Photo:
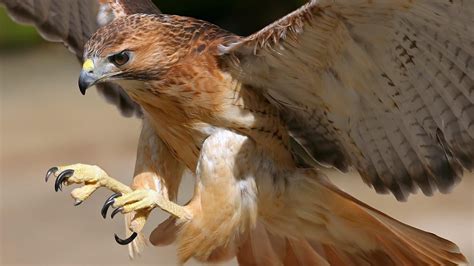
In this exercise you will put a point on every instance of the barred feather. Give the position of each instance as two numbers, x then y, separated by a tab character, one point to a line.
386	86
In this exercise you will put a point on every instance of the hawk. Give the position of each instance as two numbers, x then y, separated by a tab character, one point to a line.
385	87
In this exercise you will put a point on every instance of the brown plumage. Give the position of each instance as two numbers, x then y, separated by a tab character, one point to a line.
382	86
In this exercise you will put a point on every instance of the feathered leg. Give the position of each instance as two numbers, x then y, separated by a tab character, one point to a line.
223	207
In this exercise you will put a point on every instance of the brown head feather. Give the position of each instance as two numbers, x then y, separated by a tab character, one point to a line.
157	40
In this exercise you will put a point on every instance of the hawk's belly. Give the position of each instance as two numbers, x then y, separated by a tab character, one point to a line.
182	134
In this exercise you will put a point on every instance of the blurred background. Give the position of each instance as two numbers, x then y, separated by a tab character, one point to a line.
46	122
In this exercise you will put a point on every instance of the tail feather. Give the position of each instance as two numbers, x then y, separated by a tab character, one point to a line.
264	248
431	248
409	240
341	230
277	250
305	254
259	249
263	251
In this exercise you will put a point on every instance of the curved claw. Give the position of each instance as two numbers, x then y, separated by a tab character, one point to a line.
127	240
51	171
119	209
63	176
109	201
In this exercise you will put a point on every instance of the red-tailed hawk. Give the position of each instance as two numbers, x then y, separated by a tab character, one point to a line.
383	86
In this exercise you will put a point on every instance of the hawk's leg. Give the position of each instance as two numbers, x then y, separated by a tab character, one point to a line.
224	205
155	184
157	178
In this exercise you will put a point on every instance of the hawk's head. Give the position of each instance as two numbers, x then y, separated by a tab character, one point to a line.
138	47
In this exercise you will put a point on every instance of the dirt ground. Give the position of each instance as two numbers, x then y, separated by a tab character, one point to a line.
45	122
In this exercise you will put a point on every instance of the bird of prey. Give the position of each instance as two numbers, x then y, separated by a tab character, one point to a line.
385	87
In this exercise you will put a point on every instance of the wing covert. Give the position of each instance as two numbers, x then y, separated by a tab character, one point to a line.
384	86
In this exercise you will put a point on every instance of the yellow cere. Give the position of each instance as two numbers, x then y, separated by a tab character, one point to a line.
88	65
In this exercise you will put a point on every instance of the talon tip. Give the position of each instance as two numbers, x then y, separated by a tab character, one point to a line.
108	202
78	202
104	210
120	209
127	240
63	176
51	171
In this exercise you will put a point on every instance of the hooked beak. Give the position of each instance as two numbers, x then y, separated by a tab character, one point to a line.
87	77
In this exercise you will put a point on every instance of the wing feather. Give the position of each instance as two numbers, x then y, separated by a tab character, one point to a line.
72	22
386	86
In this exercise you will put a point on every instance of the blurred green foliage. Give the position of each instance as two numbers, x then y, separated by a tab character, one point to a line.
242	17
13	35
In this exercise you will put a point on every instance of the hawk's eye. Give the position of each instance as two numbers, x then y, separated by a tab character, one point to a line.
120	59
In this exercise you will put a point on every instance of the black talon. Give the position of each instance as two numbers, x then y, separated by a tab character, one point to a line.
119	209
108	202
125	241
63	176
51	171
78	202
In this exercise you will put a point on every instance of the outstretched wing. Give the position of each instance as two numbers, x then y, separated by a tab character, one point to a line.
386	86
72	22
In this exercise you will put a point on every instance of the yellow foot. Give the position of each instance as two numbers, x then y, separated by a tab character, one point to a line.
146	200
93	177
141	202
125	200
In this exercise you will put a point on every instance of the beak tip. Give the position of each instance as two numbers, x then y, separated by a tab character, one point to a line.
86	80
82	90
